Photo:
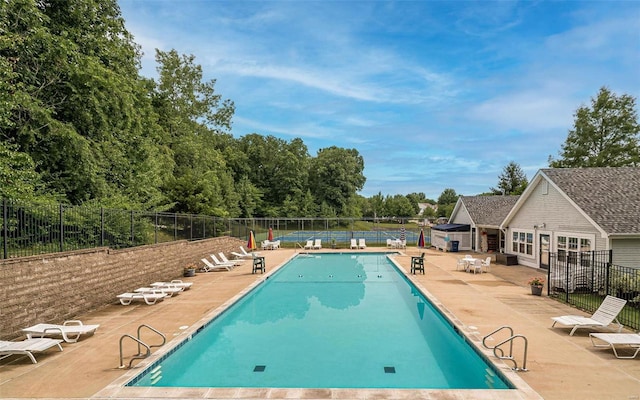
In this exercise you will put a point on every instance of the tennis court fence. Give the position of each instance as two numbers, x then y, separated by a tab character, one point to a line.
28	229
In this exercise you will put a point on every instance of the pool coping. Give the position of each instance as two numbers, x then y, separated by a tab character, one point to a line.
118	389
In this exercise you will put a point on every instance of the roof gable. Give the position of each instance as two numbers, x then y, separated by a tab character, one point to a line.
610	196
488	210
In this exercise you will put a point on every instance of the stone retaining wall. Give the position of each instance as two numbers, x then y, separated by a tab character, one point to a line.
52	288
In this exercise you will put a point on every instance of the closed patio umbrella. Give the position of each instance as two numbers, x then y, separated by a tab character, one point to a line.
403	233
270	237
251	244
421	239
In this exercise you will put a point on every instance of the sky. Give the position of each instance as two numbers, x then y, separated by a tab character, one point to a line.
433	95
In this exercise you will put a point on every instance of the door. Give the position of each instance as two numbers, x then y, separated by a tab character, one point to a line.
545	247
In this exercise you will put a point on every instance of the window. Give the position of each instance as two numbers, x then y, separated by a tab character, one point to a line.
570	246
522	242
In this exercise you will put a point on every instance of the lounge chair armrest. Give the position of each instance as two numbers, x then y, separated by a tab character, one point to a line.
72	322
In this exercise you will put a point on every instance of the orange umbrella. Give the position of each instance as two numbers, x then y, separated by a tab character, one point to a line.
270	238
251	244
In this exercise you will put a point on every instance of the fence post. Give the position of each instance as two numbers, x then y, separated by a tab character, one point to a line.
132	233
61	227
101	226
175	226
155	229
5	232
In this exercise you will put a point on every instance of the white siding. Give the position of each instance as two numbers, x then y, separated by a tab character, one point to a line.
626	252
557	214
462	216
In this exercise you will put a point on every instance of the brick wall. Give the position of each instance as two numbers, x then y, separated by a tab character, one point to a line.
56	287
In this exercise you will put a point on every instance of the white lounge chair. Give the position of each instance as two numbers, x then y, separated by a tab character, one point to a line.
274	245
354	244
628	340
243	254
174	283
604	316
220	263
149	298
208	266
169	291
362	244
69	330
27	347
225	260
317	244
390	243
309	245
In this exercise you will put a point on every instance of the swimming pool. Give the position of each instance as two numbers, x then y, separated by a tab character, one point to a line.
328	321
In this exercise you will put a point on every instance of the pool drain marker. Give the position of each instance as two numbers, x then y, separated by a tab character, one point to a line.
259	368
389	370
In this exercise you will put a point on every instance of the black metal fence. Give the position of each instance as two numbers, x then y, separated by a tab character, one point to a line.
31	229
583	279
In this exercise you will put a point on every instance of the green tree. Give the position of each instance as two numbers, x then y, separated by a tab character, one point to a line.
400	206
336	177
446	202
279	169
512	181
607	134
448	196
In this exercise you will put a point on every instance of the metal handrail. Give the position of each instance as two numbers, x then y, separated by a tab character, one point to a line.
137	356
140	343
510	356
509	340
164	338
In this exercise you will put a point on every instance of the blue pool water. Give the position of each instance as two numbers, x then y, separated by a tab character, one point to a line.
328	321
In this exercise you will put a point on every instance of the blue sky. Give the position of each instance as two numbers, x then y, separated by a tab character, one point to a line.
432	94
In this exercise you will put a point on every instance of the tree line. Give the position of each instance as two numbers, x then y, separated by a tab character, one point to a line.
80	125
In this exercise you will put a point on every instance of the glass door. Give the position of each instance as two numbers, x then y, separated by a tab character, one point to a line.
545	247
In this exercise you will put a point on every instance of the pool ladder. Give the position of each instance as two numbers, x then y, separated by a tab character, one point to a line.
499	353
141	344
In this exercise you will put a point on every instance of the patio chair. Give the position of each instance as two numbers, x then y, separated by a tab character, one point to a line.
362	244
27	347
218	262
486	264
169	291
417	264
174	283
149	298
604	316
390	243
476	266
309	245
70	331
317	244
243	254
628	340
208	266
225	260
461	264
354	244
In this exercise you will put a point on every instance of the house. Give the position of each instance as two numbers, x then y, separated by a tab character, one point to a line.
570	210
483	216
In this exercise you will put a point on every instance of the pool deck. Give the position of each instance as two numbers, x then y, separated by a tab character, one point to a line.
559	366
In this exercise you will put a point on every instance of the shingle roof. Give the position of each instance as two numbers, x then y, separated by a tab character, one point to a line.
489	210
610	196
